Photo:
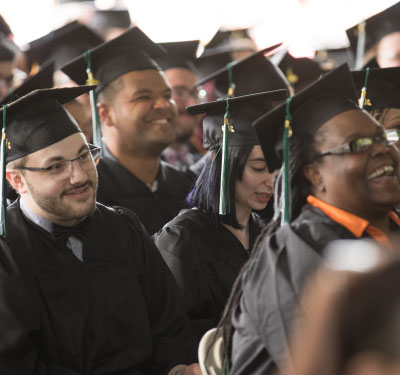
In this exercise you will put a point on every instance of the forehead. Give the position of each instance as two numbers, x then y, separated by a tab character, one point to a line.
66	148
180	77
350	122
149	79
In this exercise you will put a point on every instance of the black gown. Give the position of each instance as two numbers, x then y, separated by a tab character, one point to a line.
205	259
119	187
117	312
271	290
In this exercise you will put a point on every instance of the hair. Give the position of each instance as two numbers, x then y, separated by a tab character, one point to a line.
205	194
18	163
109	92
303	151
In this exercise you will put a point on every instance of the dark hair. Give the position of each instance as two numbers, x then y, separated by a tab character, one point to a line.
303	151
205	194
110	91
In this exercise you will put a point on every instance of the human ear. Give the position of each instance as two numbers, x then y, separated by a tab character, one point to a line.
16	180
313	174
106	114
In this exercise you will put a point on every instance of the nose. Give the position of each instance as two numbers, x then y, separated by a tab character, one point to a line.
269	180
78	175
162	103
380	148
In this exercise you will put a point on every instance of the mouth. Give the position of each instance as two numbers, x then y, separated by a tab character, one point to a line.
160	121
385	171
79	192
263	197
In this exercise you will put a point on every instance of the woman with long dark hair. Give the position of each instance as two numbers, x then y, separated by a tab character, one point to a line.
204	248
345	181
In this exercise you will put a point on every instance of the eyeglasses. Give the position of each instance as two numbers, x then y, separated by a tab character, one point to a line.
363	144
184	93
63	169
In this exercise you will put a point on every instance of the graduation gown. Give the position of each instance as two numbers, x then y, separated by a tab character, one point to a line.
117	312
205	259
118	186
271	290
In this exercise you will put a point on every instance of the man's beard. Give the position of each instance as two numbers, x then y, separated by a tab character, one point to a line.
55	206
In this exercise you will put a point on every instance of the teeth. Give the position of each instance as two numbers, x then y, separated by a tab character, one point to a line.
387	170
161	121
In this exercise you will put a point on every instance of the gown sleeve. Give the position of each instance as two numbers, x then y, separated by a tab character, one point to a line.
181	251
172	338
19	321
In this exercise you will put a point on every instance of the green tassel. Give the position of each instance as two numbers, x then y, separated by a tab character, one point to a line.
287	133
363	99
224	201
93	104
3	229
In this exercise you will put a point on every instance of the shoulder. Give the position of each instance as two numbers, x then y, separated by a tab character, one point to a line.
170	171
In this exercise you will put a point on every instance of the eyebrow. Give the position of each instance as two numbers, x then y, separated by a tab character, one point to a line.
147	92
60	158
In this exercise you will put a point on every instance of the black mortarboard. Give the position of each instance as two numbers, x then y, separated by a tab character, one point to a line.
300	72
38	120
62	45
376	27
133	50
110	18
206	65
383	87
371	63
250	75
243	110
179	55
41	80
332	94
229	41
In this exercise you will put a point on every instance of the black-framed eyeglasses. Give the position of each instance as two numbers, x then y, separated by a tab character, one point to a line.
363	144
184	93
62	170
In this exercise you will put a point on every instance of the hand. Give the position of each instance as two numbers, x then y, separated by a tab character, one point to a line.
193	369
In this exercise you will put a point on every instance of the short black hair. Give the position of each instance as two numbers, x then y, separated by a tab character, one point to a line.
205	194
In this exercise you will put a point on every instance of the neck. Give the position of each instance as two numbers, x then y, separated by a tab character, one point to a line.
144	166
243	217
382	223
176	146
243	214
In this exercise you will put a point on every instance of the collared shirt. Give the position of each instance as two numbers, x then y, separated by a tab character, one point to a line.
355	224
73	243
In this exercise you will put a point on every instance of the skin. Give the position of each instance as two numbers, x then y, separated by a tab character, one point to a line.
139	123
185	124
342	180
388	51
253	192
62	202
6	76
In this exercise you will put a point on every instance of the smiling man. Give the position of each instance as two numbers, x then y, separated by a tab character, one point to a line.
138	119
82	287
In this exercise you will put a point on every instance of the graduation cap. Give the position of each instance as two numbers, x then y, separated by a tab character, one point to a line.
74	1
300	72
8	50
300	117
133	50
229	41
109	19
41	80
243	110
228	123
31	123
382	87
62	45
376	27
179	55
206	65
252	74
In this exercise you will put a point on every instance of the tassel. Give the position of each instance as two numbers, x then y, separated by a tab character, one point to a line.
363	99
93	104
3	150
361	37
287	133
224	201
